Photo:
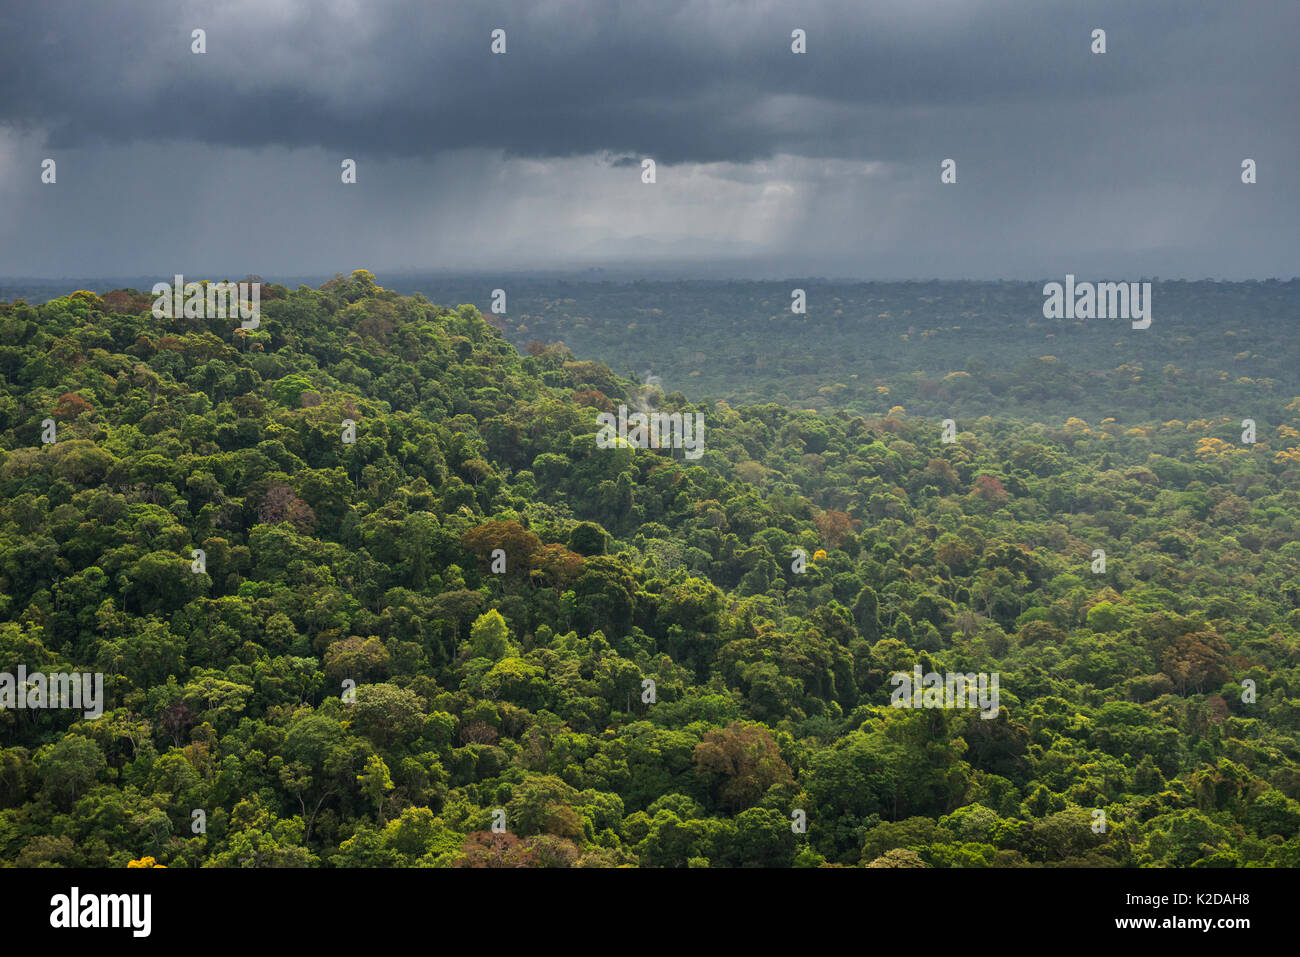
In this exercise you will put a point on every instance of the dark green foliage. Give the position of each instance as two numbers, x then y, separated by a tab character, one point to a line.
348	681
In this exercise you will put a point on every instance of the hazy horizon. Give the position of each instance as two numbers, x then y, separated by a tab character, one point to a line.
620	273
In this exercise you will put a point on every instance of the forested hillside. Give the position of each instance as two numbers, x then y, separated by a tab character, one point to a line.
355	678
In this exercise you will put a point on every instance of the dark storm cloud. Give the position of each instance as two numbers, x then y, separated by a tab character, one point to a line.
684	81
821	164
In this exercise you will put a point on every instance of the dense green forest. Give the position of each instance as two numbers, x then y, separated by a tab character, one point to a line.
354	679
935	348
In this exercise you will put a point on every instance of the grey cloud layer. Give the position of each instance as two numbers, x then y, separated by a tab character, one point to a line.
684	81
825	163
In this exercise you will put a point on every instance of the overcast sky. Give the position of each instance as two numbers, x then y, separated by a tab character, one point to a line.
1113	166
